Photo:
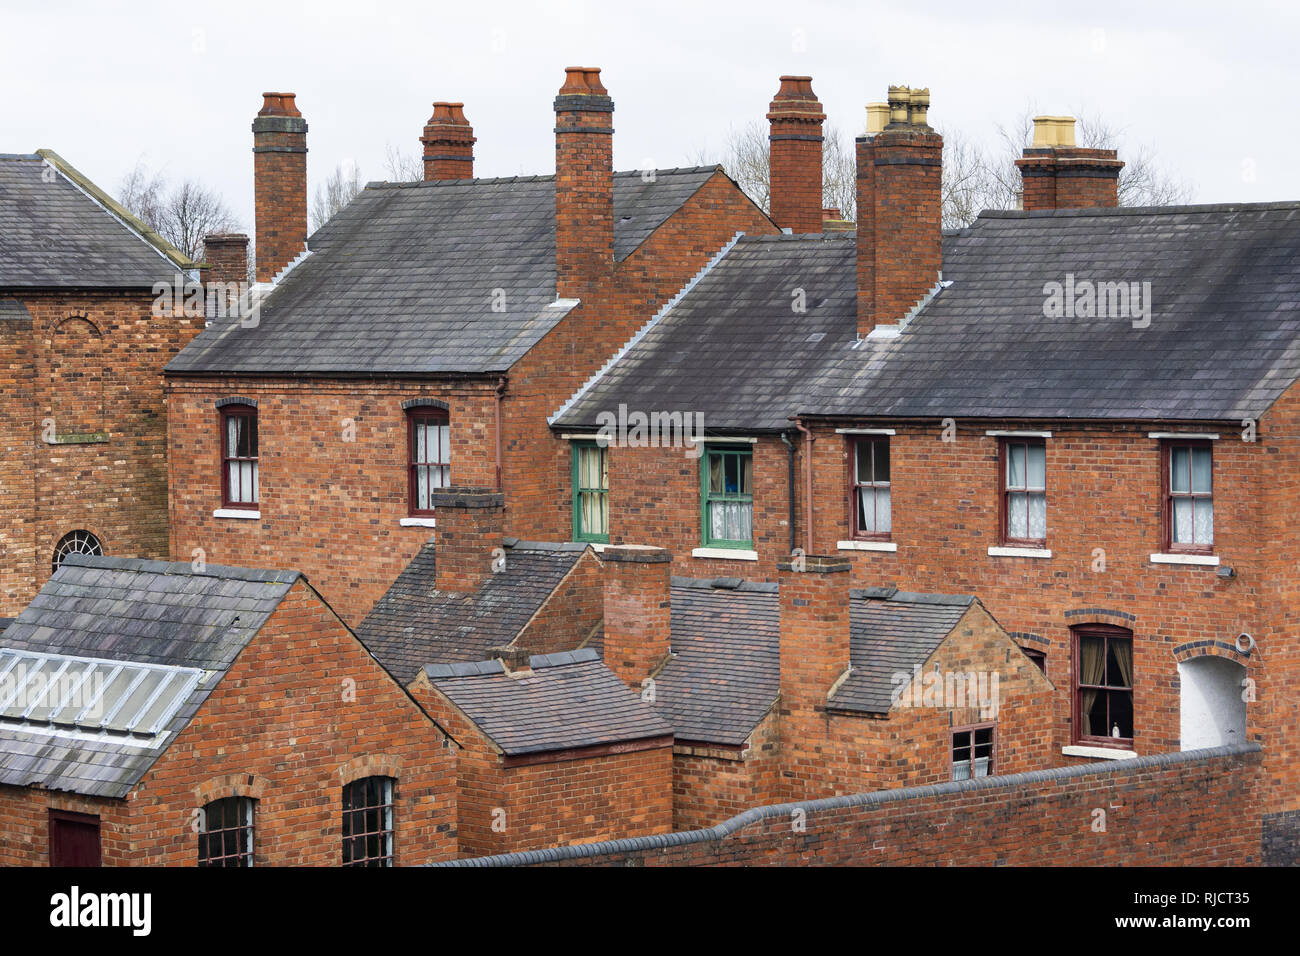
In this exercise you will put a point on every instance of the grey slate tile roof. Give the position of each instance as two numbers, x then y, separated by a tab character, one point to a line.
402	280
1222	344
134	610
55	236
726	672
890	635
415	624
11	310
734	348
566	701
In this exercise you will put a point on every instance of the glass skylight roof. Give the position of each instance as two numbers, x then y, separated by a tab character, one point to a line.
123	700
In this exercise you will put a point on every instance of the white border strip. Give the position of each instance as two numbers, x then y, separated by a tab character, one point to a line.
1204	560
1203	436
1017	434
866	545
865	431
1019	553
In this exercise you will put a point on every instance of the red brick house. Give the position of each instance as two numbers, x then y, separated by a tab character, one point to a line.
419	340
154	714
555	752
83	422
1045	410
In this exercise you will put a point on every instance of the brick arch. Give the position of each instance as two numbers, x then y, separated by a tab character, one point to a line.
1100	615
76	323
1192	649
370	765
230	785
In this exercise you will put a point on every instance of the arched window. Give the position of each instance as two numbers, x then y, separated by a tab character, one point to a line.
226	837
428	455
75	542
368	822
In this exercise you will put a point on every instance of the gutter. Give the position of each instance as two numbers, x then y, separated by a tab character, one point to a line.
789	487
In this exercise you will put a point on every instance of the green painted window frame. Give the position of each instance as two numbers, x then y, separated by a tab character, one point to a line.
578	533
706	496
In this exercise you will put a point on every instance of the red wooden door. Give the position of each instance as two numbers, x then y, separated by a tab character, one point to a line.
74	839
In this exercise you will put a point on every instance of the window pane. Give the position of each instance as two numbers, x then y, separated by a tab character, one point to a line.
866	511
1120	706
1204	521
1037	466
1178	469
1183	521
862	466
715	474
232	437
1015	466
882	461
883	521
253	490
1037	515
746	474
1201	470
1017	516
422	488
421	443
444	444
961	770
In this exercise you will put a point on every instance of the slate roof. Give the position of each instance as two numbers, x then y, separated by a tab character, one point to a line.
734	348
139	611
415	624
57	232
726	672
11	310
566	701
402	280
892	632
1222	344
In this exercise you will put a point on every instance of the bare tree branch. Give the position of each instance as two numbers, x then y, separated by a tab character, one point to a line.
336	192
401	167
182	214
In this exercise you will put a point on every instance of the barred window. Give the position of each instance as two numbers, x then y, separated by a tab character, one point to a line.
368	822
227	835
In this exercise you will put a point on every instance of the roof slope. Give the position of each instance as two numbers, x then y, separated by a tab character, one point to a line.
891	632
566	701
403	279
57	231
138	611
1222	344
726	670
735	348
415	624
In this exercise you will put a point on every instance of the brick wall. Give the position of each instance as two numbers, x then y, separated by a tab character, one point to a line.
507	804
92	363
304	710
711	784
1192	809
330	507
569	614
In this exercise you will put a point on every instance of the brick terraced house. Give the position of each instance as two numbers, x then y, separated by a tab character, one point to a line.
1083	416
152	714
82	421
419	340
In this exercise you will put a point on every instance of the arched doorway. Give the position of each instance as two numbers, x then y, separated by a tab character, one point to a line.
1212	708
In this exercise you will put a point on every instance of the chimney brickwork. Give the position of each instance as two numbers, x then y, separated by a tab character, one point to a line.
279	183
795	156
447	145
584	183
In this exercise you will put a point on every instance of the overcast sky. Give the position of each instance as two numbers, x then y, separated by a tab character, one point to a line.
1211	87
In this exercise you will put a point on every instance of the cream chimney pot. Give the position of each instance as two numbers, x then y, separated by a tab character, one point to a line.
1053	131
877	117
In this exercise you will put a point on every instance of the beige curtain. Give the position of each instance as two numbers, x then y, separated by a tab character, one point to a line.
1092	670
1124	658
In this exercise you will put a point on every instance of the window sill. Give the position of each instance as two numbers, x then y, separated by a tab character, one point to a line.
86	438
1100	753
418	522
1001	552
237	513
726	554
866	545
1204	560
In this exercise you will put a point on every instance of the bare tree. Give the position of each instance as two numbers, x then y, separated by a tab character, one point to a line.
744	156
336	192
182	214
401	167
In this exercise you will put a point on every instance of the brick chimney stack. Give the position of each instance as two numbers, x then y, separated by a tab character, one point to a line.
471	524
637	610
814	622
795	156
279	183
584	182
226	255
900	223
448	143
1056	174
